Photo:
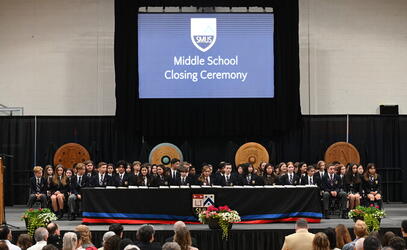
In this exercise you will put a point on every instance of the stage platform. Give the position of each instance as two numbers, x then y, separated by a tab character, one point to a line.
243	236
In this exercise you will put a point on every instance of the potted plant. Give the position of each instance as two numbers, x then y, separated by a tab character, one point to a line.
370	215
35	218
219	218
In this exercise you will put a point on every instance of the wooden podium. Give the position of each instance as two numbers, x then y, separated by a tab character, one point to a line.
2	221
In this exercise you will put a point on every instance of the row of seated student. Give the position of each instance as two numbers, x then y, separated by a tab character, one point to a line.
350	183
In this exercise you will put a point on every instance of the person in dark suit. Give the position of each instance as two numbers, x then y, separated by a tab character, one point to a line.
269	177
144	178
184	179
205	179
161	179
302	171
38	188
373	185
331	186
145	237
121	179
101	179
290	178
310	178
353	186
174	173
78	181
59	190
89	168
249	177
229	178
321	171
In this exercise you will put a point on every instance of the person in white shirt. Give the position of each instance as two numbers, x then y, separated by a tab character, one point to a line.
40	236
5	234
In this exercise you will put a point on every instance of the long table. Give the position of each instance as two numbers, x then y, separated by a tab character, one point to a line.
165	206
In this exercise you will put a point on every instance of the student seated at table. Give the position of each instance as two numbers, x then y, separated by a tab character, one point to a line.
101	179
229	178
331	186
121	179
174	173
310	178
321	171
373	185
353	186
90	168
161	179
269	177
38	188
205	179
110	170
59	190
249	177
302	171
290	178
78	181
184	179
144	178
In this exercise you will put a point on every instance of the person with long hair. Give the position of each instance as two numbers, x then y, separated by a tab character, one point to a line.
85	237
353	186
331	234
48	173
262	167
269	177
205	179
24	241
342	236
161	179
59	189
249	177
183	238
302	170
69	241
144	178
373	185
112	243
89	168
361	170
320	242
282	168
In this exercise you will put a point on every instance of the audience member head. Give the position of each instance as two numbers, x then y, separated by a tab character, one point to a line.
330	233
377	235
125	242
178	225
3	245
404	228
360	229
50	247
85	234
112	243
40	234
69	242
359	244
320	242
24	241
301	224
183	238
5	233
117	229
107	235
397	243
145	233
171	246
53	229
342	236
372	243
387	237
131	247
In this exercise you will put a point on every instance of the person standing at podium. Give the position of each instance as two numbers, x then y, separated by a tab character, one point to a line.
38	188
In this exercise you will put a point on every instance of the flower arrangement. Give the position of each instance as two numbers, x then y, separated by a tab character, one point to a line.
222	215
35	218
370	215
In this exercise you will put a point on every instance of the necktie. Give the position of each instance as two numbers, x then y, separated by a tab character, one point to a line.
207	180
101	180
38	184
173	174
227	178
183	181
310	181
291	179
80	181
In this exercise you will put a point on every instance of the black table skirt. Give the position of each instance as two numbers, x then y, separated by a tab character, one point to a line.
165	206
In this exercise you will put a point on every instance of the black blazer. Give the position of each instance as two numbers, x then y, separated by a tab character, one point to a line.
270	179
284	180
300	178
140	181
374	185
174	181
350	186
315	180
75	186
160	180
202	183
59	187
254	181
123	182
332	185
41	189
233	180
149	246
107	181
188	181
318	175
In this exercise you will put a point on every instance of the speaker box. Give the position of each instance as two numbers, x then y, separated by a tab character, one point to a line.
389	109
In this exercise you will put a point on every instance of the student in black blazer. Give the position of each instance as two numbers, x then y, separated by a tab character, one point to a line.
373	185
101	179
174	173
144	178
161	179
290	178
229	178
205	179
59	189
332	188
89	169
249	177
269	177
78	181
38	188
310	178
121	179
184	179
353	186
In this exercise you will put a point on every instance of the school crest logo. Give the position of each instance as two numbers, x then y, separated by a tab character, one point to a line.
203	33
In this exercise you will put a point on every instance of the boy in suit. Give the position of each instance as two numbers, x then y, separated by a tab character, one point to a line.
101	179
310	178
174	173
332	188
290	178
38	188
78	181
228	178
121	179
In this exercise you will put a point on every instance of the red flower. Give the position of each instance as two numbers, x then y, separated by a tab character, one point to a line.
31	209
371	205
377	207
224	208
39	209
212	208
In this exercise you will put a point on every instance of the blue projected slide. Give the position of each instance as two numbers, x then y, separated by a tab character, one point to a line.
188	55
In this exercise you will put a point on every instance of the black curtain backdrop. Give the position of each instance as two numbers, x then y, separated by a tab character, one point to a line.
379	139
208	117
